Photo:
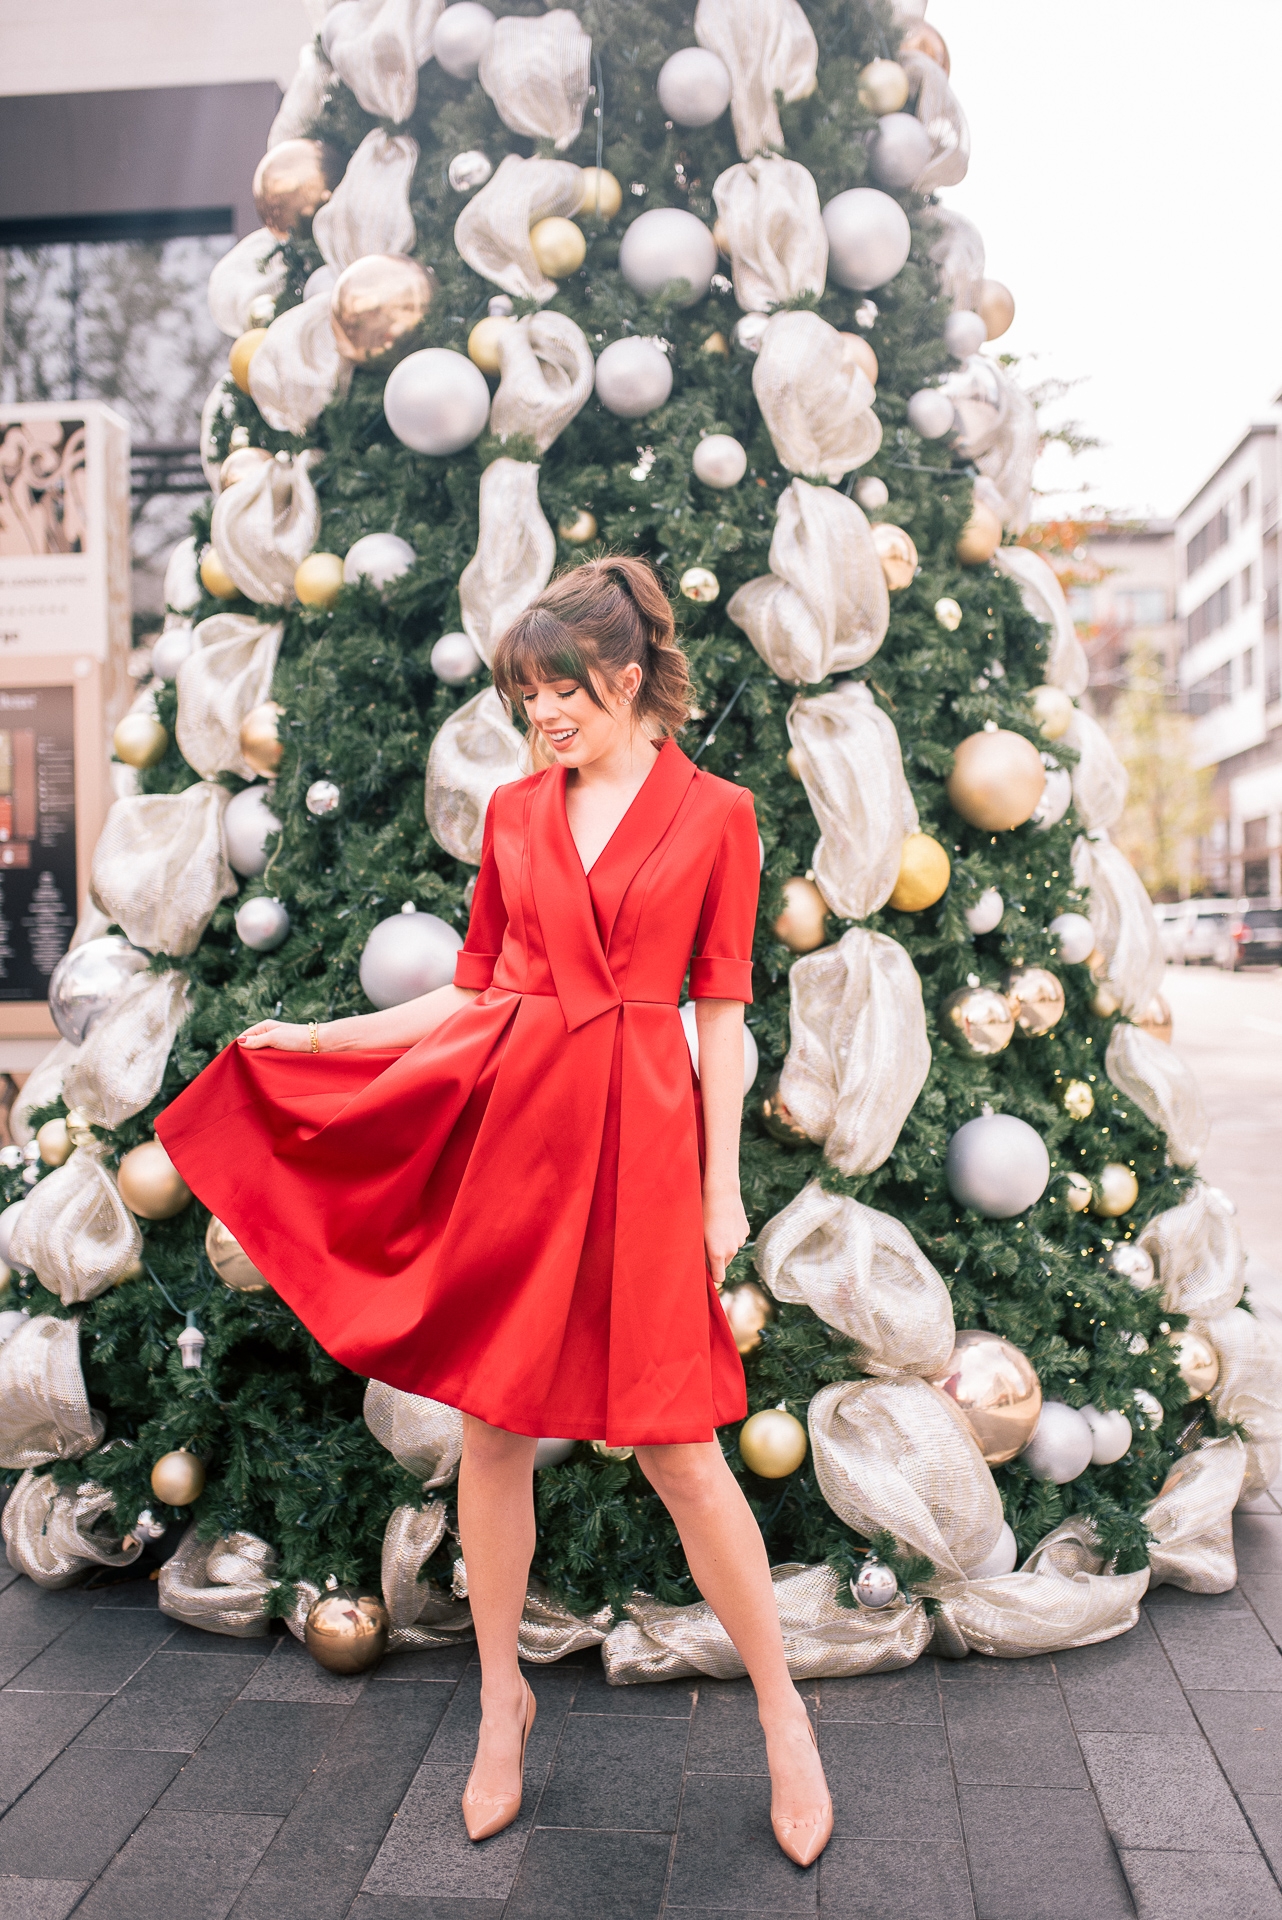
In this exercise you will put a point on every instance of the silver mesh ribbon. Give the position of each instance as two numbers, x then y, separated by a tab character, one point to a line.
57	1538
1099	778
75	1232
1248	1392
862	1272
242	276
122	1062
997	429
823	607
939	110
770	48
42	1085
219	1586
266	525
422	1613
859	1055
477	751
369	210
1125	925
957	253
226	675
778	242
1192	1519
304	97
548	1630
1197	1251
1043	597
515	554
493	231
44	1410
159	868
547	375
377	50
1162	1087
296	372
536	71
847	750
1018	1615
423	1436
814	396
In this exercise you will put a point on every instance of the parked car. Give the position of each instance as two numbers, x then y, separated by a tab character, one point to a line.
1197	932
1256	938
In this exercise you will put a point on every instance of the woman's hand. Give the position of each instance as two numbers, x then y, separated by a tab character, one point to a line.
284	1035
725	1228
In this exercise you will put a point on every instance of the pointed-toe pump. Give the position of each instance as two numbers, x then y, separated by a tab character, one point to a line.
485	1814
805	1839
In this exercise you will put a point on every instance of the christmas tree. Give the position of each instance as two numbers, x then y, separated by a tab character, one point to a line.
676	281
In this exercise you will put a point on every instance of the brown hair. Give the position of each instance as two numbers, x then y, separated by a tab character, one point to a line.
598	618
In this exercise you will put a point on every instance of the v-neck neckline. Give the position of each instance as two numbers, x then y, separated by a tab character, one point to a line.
618	825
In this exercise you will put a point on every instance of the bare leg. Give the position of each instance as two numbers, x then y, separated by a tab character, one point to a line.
496	1522
727	1558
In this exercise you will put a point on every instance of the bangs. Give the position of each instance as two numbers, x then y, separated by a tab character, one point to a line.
539	646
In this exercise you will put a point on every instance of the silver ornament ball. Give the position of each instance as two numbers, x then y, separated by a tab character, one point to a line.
633	377
324	280
460	37
552	1453
1000	1561
436	401
454	659
986	914
872	493
323	797
1062	1445
499	307
1134	1264
1111	1435
750	331
406	955
720	460
379	558
247	824
751	1057
901	150
868	238
8	1221
1057	795
182	577
666	245
469	170
964	334
1148	1406
930	413
1076	937
998	1165
693	87
262	924
88	980
875	1585
171	649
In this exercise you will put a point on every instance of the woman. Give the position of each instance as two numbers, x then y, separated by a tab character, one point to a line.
507	1195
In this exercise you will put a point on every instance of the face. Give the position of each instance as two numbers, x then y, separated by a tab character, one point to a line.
577	731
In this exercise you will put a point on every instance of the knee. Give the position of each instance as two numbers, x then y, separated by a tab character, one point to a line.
684	1475
493	1450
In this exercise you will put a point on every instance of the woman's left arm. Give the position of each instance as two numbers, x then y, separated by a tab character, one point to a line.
719	1024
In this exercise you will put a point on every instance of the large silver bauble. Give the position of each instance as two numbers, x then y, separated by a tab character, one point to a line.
693	87
247	823
930	413
323	797
454	659
872	493
436	401
868	238
1111	1435
90	978
324	280
751	1057
1134	1264
986	914
750	331
8	1221
379	558
875	1585
406	955
182	577
720	460
262	924
901	150
1061	1447
964	334
460	37
665	245
469	170
1057	795
551	1453
998	1165
1001	1560
1076	937
171	649
633	377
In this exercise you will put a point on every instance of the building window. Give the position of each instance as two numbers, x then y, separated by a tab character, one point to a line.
1207	540
1255	879
1140	606
1255	835
1244	504
1215	612
1248	586
1212	691
1248	669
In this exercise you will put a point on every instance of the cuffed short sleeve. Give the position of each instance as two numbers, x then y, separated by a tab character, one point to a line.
487	923
722	965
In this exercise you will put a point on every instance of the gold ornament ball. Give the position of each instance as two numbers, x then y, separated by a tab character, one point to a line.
1078	1193
242	464
1116	1190
484	342
981	536
242	352
150	1184
79	1129
602	194
558	246
700	584
1052	710
996	307
772	1444
347	1632
1198	1361
997	779
1158	1020
54	1143
319	580
924	873
230	1261
855	348
1079	1101
995	1389
291	181
1104	1001
897	554
579	529
140	740
921	38
1038	998
948	614
378	304
748	1308
608	1452
802	924
792	760
882	87
178	1478
215	578
777	1118
260	744
977	1021
715	343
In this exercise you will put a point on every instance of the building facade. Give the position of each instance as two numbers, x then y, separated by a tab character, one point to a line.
1126	598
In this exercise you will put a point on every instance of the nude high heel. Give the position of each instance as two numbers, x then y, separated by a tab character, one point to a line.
804	1840
488	1813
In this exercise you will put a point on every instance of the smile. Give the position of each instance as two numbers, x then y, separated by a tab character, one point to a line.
562	736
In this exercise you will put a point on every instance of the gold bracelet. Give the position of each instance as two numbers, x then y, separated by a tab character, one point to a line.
312	1029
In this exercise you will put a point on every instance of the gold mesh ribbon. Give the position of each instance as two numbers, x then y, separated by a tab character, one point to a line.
75	1232
770	48
423	1436
548	1630
253	270
1197	1250
1153	1075
769	208
1192	1519
42	1085
956	250
1099	778
160	868
474	753
57	1538
1018	1615
997	429
304	97
226	675
1248	1392
848	754
823	608
266	525
862	1272
219	1586
1124	922
369	210
122	1063
815	398
547	375
422	1613
377	48
44	1410
536	71
514	558
493	231
859	1055
1043	597
939	110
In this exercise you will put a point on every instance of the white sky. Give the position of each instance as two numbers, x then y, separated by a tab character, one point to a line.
1127	178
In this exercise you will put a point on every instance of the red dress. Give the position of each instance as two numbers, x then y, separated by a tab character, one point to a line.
507	1216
